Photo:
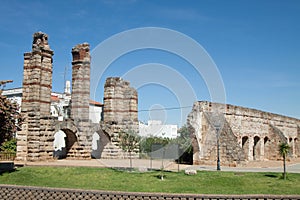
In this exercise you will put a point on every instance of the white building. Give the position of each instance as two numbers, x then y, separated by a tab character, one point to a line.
60	103
155	128
14	95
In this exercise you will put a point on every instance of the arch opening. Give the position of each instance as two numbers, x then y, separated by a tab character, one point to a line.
65	144
256	148
245	146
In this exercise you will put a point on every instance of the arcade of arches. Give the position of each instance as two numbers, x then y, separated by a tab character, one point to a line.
255	133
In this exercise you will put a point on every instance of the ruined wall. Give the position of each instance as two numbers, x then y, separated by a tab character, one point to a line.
120	102
33	142
254	133
119	113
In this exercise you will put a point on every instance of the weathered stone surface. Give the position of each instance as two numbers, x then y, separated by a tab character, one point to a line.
120	114
37	86
245	134
35	141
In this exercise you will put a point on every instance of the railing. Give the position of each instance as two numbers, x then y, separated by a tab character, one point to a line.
39	193
7	156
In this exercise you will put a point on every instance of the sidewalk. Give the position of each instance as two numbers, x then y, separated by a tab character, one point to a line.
143	164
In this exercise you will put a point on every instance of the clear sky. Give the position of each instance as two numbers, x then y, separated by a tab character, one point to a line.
254	44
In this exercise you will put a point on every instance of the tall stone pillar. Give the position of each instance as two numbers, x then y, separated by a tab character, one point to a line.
80	98
33	142
80	82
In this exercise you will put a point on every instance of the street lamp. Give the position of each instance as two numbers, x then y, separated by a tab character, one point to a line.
217	127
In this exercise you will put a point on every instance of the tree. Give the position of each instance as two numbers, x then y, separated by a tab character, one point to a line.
129	142
10	118
284	150
185	145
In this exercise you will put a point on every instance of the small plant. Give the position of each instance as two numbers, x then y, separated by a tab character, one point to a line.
129	142
284	149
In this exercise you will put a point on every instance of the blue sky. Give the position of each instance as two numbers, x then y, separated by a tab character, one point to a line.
254	44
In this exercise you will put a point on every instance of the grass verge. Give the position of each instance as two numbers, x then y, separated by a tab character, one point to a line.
205	182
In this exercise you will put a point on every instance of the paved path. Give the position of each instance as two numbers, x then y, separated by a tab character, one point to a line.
266	166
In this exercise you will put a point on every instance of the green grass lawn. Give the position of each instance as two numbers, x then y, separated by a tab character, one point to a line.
109	179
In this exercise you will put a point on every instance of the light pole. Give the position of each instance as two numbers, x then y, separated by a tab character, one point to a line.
217	127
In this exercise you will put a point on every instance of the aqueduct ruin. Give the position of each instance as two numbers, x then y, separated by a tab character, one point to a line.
35	140
245	134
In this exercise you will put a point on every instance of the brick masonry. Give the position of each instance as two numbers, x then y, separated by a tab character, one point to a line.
120	114
39	193
33	142
245	134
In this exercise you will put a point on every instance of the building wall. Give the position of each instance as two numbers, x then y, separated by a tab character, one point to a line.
155	128
95	113
255	133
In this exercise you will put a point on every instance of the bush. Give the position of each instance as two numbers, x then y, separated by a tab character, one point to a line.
9	146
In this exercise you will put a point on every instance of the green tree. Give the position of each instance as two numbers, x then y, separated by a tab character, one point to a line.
284	150
10	118
146	143
185	145
129	142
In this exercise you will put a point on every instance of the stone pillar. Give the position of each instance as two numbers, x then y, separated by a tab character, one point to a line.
80	99
80	82
262	149
36	101
293	148
251	145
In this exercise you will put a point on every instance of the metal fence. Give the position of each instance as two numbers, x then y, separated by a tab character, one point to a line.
7	156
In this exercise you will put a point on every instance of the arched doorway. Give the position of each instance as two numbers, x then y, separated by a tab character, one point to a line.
245	146
256	148
96	144
59	145
65	144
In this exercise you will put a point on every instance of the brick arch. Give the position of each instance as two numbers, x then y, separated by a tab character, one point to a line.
71	138
66	125
71	143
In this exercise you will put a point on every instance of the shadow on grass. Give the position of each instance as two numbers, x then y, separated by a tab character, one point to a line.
7	171
271	175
